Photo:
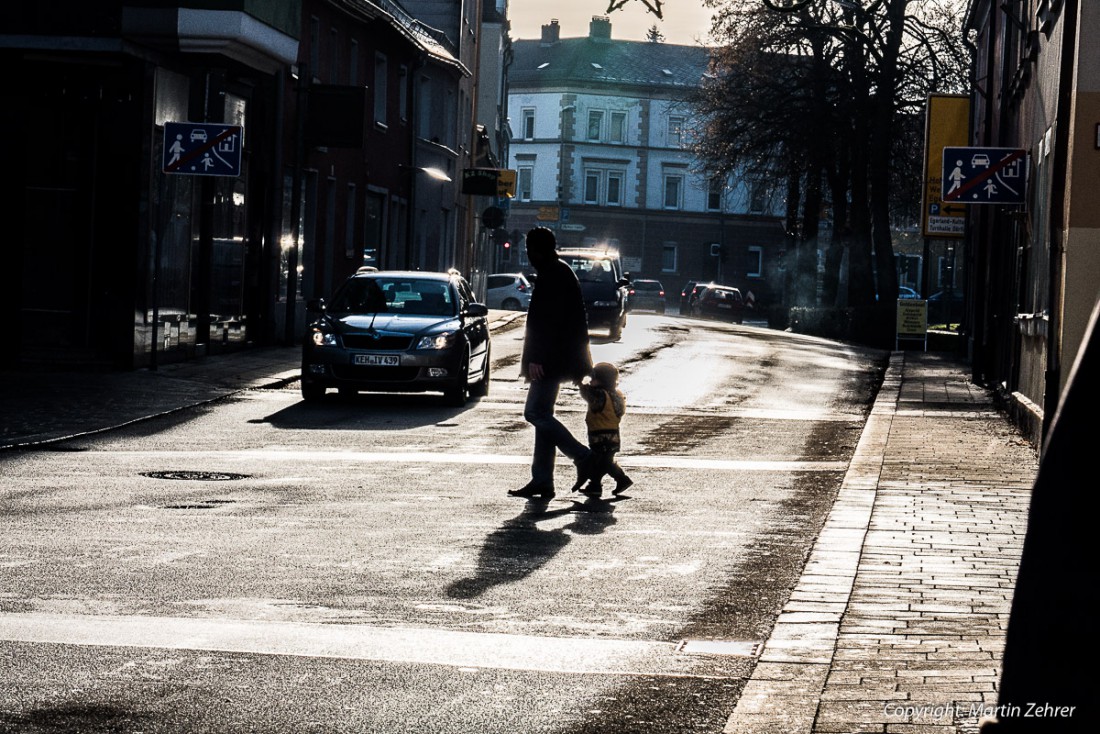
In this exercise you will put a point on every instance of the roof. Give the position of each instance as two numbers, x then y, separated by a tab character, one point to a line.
607	62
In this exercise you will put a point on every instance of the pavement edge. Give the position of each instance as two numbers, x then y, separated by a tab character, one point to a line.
783	694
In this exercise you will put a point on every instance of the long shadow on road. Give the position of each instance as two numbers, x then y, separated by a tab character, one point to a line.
519	547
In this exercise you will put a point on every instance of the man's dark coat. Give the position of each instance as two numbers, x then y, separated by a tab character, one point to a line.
557	325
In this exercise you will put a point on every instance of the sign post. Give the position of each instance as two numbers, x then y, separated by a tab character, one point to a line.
985	175
912	323
947	124
202	149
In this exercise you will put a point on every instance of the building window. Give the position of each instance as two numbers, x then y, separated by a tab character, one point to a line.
353	63
403	93
716	186
673	189
592	187
614	189
668	259
424	108
334	55
352	207
380	90
618	127
755	262
675	131
525	176
314	46
595	124
528	123
758	197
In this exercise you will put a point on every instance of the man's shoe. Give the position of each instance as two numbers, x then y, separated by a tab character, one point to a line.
622	485
532	490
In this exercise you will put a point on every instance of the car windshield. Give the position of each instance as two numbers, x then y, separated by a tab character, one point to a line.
414	296
591	270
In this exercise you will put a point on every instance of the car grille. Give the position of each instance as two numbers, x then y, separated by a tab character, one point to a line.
388	343
365	373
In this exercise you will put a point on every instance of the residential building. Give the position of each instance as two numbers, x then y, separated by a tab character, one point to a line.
1035	273
601	143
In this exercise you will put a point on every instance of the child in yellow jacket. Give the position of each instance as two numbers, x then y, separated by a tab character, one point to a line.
606	406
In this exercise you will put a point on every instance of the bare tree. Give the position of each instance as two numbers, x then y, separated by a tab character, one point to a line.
824	93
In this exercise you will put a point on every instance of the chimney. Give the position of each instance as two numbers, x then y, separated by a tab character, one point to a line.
600	28
551	34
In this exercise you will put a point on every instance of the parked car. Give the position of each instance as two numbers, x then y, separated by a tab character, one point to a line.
603	284
509	291
720	302
685	297
646	295
395	331
906	292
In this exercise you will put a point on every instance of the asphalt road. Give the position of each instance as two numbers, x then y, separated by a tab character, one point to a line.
259	564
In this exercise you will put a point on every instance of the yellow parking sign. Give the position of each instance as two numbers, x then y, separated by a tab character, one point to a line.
506	183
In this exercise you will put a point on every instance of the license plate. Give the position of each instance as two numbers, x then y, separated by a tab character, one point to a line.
378	360
725	305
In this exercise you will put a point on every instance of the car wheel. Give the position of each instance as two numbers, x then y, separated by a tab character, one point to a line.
481	387
458	395
312	392
510	304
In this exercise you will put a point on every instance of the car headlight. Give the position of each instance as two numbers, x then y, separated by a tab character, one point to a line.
323	338
438	341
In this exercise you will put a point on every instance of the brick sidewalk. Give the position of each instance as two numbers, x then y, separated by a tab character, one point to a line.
898	621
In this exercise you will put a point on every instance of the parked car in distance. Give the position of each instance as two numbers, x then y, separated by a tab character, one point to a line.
509	291
396	331
603	285
646	295
906	292
685	297
720	302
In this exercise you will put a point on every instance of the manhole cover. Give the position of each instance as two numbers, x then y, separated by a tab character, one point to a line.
194	476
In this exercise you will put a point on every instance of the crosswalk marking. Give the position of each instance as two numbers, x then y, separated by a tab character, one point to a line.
360	642
432	457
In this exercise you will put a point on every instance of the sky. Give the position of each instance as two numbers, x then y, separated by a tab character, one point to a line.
686	22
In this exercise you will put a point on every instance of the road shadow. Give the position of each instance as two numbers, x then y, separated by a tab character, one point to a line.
366	410
519	547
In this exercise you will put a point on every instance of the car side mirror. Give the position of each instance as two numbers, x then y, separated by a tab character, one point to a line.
316	305
477	309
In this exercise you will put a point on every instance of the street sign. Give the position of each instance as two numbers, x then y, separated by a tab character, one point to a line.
946	123
984	175
912	321
572	228
547	214
506	183
202	149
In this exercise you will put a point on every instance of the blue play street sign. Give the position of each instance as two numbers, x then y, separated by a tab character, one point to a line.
202	149
984	175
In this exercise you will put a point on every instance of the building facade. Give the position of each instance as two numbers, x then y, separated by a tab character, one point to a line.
601	136
357	120
1035	273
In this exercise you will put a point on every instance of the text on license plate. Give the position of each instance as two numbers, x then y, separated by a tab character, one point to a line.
378	360
725	305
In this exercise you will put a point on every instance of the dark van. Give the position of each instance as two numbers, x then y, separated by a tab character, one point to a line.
604	285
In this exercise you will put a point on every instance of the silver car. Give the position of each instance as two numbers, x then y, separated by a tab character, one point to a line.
509	291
